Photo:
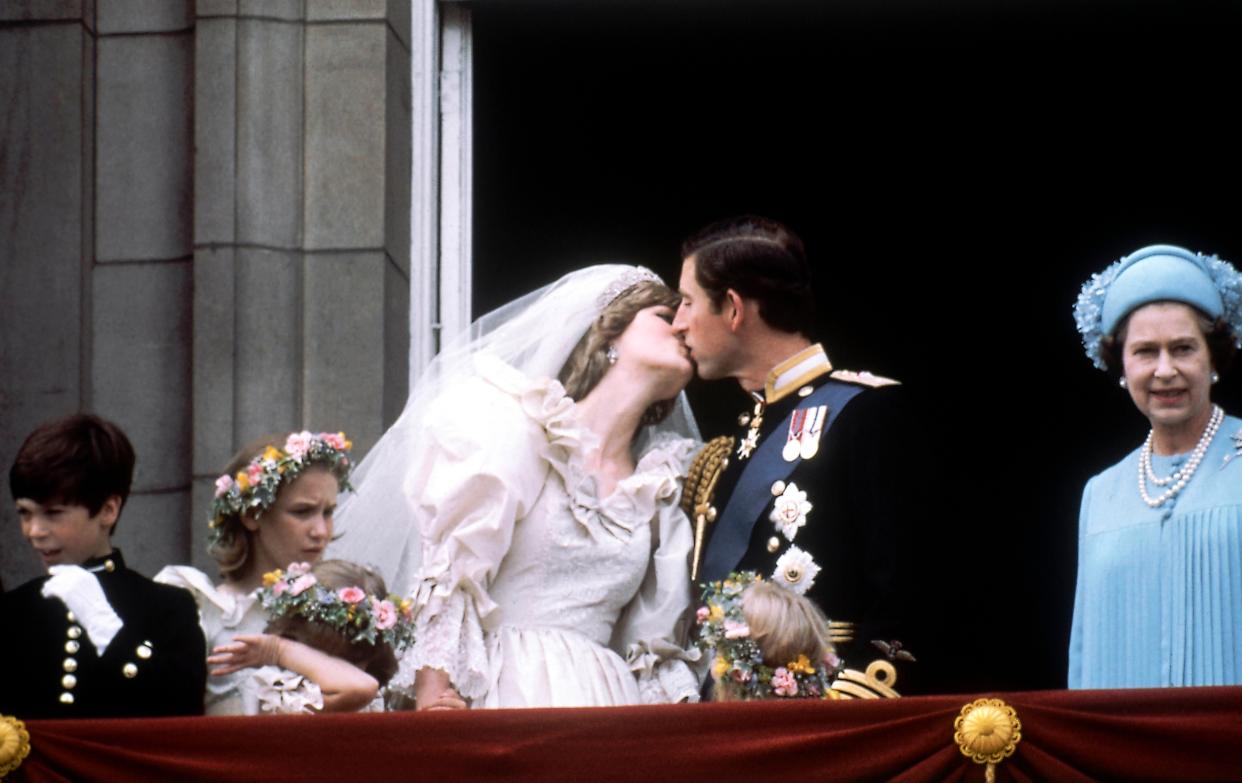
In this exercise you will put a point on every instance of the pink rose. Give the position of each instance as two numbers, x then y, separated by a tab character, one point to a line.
736	630
280	587
385	614
297	569
302	584
223	485
298	444
699	616
333	439
255	473
351	595
783	683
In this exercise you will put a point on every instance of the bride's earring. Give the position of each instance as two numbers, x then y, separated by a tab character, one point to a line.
1122	382
612	354
1215	376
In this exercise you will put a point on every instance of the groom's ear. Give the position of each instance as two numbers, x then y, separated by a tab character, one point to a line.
734	309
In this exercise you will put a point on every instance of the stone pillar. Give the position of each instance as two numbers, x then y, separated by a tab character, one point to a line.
95	237
301	224
47	141
204	235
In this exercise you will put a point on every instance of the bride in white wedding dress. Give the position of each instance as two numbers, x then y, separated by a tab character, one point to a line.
534	477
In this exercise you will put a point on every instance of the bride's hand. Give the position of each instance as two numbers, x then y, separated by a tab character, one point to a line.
433	690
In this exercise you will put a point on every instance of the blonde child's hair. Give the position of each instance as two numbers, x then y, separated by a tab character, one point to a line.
784	625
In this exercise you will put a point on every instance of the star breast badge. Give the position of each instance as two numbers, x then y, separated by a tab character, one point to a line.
790	510
796	570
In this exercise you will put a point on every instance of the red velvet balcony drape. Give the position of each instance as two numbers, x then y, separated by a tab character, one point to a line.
1136	735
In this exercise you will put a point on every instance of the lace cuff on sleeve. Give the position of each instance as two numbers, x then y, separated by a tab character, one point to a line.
665	680
452	641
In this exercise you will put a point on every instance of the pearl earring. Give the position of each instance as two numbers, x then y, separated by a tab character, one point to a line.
612	354
1215	376
1122	382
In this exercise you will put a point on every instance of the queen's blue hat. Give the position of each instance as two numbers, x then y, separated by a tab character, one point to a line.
1156	273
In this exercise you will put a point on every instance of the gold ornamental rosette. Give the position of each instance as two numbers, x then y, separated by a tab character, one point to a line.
988	731
14	744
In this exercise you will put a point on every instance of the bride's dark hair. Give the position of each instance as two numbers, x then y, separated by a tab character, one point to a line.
588	362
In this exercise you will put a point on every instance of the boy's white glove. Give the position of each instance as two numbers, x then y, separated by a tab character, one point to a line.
80	591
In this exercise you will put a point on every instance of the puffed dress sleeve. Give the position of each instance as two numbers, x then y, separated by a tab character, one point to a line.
480	468
652	634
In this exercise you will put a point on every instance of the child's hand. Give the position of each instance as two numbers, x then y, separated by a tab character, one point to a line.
246	651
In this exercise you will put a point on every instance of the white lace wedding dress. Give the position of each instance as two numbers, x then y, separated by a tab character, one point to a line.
534	591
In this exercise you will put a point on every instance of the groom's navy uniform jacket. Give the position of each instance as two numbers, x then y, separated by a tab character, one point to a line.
857	476
156	664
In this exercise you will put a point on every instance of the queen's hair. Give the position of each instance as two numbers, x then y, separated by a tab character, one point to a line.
1222	348
231	547
784	625
588	362
78	459
378	659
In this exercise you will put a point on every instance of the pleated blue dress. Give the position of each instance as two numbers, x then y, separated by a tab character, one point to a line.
1159	596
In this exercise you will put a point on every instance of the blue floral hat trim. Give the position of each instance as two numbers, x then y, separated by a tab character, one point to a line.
1154	274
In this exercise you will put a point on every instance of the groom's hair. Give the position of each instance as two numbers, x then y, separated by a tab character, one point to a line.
760	259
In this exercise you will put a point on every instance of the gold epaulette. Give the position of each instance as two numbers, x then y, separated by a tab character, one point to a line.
696	497
840	632
876	683
863	378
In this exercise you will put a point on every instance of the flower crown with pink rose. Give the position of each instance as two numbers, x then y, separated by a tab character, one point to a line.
254	489
351	611
737	659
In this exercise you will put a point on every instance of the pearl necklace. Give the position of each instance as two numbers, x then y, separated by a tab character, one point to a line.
1181	477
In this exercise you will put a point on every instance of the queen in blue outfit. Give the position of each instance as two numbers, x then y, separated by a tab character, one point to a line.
1159	595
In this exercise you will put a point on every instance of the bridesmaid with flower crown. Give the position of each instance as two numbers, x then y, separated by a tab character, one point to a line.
273	506
330	646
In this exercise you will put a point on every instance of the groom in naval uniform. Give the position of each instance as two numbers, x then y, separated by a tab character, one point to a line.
812	490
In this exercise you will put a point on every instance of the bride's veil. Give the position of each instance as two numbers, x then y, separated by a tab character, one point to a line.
375	524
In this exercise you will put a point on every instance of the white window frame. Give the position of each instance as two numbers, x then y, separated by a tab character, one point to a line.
441	197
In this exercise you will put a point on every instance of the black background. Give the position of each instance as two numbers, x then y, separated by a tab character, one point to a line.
956	171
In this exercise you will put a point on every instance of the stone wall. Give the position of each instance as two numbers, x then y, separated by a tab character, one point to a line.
204	235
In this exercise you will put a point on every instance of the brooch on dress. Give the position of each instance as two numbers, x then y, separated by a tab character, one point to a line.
1237	448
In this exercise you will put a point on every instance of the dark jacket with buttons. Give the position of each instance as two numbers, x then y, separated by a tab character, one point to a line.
155	665
864	494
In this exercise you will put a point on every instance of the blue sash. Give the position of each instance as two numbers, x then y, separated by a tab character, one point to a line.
753	491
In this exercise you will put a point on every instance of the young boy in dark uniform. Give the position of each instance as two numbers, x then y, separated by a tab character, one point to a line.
93	638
